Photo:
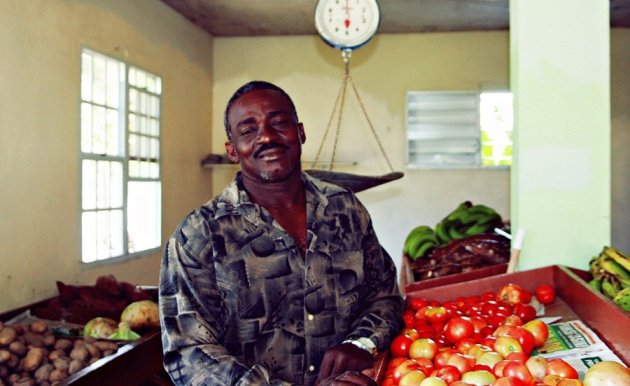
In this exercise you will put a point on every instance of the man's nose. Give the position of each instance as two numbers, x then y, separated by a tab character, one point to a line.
266	133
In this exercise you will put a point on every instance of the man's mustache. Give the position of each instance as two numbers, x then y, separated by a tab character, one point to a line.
268	146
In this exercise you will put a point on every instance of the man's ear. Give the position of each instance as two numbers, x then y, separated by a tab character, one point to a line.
231	152
301	133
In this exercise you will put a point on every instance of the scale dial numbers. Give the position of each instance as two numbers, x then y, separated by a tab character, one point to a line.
347	24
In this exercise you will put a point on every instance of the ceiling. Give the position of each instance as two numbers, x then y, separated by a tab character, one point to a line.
296	17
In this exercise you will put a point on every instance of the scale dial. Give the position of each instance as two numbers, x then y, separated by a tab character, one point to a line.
347	24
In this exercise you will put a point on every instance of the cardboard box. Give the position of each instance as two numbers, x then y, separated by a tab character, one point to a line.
576	300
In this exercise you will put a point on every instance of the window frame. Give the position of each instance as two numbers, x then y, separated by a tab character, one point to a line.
124	111
466	98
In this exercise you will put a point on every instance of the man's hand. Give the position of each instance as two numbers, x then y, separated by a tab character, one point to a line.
342	365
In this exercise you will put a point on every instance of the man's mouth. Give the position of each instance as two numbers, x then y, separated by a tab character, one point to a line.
270	153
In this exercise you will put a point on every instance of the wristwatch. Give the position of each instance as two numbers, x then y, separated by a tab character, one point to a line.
364	344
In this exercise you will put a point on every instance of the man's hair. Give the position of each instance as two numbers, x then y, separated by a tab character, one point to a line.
251	86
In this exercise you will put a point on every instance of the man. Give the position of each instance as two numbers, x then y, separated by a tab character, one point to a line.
280	279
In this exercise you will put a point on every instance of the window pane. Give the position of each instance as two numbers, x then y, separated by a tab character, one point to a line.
102	235
496	121
88	237
103	184
133	100
86	127
113	82
116	233
144	213
98	80
88	183
113	137
98	130
86	76
116	184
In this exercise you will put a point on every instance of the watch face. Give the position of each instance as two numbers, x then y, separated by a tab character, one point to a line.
347	24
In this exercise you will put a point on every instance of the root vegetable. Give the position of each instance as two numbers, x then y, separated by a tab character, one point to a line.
63	344
5	355
57	375
41	374
33	359
61	363
104	345
75	366
7	335
17	347
39	326
92	350
55	354
79	352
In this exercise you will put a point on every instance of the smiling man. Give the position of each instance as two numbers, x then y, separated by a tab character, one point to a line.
280	279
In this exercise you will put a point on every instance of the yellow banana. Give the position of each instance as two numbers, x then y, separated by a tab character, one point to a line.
619	257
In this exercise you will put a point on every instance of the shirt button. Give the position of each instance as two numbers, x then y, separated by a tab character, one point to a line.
310	317
311	368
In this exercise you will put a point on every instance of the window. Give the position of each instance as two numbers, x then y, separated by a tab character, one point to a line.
459	129
120	159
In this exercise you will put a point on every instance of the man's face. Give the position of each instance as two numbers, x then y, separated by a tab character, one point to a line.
266	138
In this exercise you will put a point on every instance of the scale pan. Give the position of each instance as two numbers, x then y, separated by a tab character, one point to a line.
354	182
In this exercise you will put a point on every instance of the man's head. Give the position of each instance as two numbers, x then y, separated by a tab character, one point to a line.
248	87
265	136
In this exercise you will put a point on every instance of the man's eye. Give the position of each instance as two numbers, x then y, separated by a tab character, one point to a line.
279	122
247	130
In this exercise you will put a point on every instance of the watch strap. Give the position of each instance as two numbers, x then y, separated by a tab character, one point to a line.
363	343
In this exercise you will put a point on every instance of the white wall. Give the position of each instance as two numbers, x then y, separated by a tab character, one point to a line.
40	70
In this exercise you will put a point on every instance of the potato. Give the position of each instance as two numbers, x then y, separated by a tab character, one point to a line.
80	352
56	354
13	361
17	347
61	363
39	327
57	375
7	335
75	366
41	374
92	350
5	355
104	345
33	359
63	344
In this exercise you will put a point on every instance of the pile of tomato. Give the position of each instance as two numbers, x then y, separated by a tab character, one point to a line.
476	340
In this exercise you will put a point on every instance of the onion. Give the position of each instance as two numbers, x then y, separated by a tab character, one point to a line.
607	373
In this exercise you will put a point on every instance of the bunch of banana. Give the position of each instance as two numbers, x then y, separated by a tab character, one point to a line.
611	276
419	242
467	220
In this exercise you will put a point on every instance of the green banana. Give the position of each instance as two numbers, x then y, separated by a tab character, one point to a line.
619	257
416	232
459	211
611	266
477	229
609	287
423	249
480	208
622	299
416	245
596	284
441	234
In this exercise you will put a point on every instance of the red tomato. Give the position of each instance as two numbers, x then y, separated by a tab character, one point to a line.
448	373
518	370
463	362
400	346
436	314
560	368
525	338
545	293
417	303
513	294
442	356
525	311
539	329
426	365
507	381
408	318
457	329
488	295
423	348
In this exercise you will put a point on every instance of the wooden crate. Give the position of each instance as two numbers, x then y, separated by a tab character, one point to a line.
575	300
136	363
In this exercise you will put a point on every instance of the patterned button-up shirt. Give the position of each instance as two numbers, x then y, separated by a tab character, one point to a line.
239	305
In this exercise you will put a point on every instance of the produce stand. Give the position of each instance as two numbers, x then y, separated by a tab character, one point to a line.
575	300
135	363
456	278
